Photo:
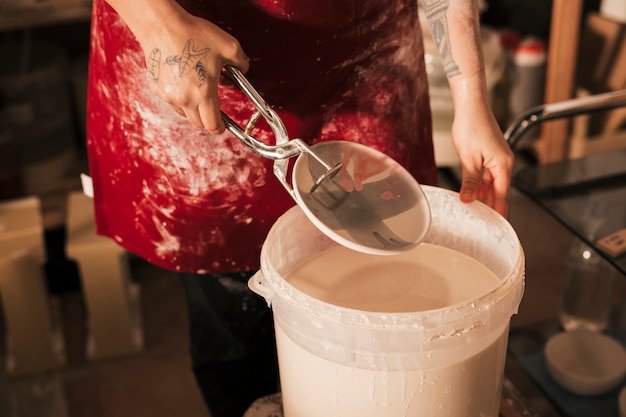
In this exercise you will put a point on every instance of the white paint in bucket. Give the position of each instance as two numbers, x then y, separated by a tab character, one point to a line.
338	361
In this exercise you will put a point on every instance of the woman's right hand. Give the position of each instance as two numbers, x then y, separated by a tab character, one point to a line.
185	55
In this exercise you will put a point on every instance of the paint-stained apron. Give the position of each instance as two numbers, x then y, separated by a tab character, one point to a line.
189	201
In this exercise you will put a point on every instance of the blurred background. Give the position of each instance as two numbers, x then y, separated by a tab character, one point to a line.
96	332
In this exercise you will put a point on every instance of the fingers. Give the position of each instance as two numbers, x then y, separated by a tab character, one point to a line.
196	101
501	190
193	116
178	110
470	184
210	115
242	62
204	117
492	188
206	114
234	55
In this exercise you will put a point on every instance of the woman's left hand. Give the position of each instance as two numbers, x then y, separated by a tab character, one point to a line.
486	158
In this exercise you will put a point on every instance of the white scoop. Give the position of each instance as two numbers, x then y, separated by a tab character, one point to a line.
357	196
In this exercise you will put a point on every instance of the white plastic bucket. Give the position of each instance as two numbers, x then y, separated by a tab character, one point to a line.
337	361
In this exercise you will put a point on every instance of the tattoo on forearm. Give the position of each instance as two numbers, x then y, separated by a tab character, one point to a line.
436	14
190	59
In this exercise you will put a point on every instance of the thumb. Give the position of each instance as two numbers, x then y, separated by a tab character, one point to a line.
470	184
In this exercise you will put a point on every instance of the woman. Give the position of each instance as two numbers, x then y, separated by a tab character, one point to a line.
173	187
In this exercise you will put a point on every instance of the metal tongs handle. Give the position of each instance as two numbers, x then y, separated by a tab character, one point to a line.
284	148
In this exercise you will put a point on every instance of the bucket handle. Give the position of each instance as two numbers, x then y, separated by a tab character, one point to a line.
255	284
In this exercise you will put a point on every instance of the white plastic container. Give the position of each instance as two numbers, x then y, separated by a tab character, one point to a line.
337	361
614	9
528	78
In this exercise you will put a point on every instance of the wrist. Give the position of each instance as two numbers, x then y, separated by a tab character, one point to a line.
469	90
145	18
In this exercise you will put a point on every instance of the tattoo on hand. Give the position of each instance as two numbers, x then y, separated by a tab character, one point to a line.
154	62
201	73
190	59
436	14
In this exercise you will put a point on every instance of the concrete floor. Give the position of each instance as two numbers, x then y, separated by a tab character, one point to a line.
158	383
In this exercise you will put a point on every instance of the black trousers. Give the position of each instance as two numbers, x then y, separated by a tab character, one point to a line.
233	347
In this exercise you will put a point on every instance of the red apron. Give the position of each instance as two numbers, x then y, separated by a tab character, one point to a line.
189	201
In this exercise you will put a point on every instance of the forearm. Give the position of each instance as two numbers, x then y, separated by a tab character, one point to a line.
486	158
147	17
456	31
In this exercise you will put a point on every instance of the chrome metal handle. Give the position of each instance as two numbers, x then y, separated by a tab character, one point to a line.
562	109
284	148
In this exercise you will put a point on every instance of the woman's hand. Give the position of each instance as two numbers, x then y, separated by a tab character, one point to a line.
486	158
185	55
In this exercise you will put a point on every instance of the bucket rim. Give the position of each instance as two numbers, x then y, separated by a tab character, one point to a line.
511	286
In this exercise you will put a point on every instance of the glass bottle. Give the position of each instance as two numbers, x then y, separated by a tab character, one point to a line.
587	291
